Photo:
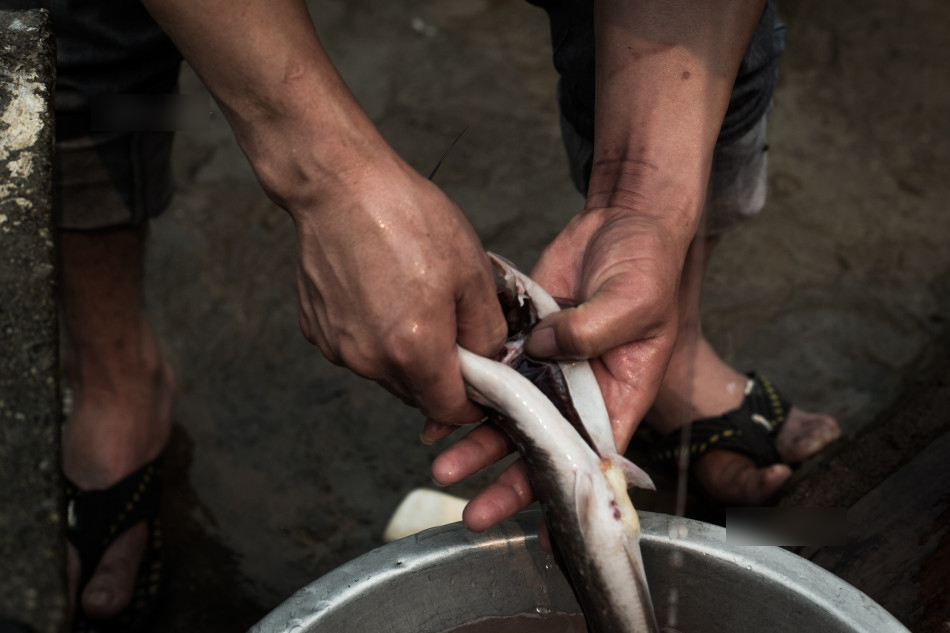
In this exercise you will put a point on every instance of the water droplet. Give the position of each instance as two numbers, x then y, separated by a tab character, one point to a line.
678	529
542	610
676	559
672	601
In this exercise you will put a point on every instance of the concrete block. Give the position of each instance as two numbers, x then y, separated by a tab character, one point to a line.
32	550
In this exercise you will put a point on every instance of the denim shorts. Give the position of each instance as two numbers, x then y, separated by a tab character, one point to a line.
737	179
104	179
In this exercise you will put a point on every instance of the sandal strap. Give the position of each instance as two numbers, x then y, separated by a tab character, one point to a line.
95	518
764	400
750	429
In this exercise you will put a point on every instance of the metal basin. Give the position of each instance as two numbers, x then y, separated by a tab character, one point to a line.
448	576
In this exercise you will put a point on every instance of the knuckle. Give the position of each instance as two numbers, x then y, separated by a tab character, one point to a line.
312	333
353	355
407	346
307	327
331	355
578	337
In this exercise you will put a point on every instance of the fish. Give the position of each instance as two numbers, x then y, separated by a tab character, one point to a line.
554	412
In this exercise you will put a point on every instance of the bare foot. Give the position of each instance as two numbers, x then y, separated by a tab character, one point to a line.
734	479
804	434
711	388
121	420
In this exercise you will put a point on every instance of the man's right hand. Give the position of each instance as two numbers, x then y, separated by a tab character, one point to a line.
391	275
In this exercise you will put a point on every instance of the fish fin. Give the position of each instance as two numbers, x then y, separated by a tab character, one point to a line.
634	475
643	590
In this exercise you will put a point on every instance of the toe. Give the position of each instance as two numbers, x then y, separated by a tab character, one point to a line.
734	479
110	589
804	434
72	578
762	483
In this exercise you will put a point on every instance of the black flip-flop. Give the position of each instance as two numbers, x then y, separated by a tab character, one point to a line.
95	518
751	429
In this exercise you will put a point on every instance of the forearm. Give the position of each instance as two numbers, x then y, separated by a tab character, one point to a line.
391	276
292	114
665	70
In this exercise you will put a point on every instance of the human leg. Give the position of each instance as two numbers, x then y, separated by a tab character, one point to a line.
107	185
700	385
122	391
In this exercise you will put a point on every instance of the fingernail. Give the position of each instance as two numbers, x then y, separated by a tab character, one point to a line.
542	343
433	431
99	597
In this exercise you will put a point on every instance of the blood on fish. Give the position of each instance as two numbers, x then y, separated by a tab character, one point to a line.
616	508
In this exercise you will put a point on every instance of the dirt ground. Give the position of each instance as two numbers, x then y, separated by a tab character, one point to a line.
283	466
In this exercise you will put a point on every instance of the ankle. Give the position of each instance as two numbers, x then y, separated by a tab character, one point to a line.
108	364
698	384
121	414
106	439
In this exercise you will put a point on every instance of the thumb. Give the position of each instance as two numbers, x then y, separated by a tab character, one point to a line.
554	337
615	315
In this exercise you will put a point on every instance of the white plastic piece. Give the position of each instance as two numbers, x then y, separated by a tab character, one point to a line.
422	509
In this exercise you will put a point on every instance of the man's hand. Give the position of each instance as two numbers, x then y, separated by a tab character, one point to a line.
391	276
665	70
622	267
390	273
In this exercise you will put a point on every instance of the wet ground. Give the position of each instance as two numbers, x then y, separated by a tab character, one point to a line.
283	466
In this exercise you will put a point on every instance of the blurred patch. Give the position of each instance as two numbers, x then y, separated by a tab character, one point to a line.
150	112
787	526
